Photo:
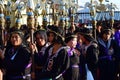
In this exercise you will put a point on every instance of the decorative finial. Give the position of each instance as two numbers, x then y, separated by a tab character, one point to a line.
30	14
100	1
2	20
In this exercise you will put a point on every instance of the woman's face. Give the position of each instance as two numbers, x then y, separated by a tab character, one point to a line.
82	38
16	39
79	38
72	43
106	36
51	37
40	40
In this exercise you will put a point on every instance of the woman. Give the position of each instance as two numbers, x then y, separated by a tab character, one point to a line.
16	58
50	35
40	40
73	72
56	58
108	56
90	53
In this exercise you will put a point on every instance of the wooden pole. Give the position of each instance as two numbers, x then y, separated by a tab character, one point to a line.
2	26
2	32
30	24
93	14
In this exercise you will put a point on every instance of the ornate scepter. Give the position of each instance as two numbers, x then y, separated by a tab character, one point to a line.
112	15
37	13
93	14
8	11
2	25
19	7
31	24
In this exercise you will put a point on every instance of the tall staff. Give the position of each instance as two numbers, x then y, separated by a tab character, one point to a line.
2	30
37	13
31	24
8	11
2	26
93	14
112	15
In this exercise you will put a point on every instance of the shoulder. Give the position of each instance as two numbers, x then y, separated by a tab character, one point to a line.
24	49
62	51
94	44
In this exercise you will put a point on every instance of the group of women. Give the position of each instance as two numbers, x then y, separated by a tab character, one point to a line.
72	57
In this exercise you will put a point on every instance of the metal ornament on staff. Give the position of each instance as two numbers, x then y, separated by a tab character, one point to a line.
18	22
8	16
31	24
2	26
44	14
93	14
20	6
30	18
66	25
112	16
37	13
62	17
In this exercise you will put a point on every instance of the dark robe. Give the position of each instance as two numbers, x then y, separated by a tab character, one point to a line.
92	58
108	59
15	64
55	65
73	71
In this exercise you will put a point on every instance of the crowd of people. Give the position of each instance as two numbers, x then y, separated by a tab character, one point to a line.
76	55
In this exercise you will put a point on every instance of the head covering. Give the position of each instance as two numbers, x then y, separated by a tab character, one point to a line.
54	29
19	32
42	32
69	36
99	23
117	27
57	31
106	31
87	33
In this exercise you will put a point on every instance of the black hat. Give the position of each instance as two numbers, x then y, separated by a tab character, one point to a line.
99	23
87	33
55	30
58	34
69	36
116	26
106	31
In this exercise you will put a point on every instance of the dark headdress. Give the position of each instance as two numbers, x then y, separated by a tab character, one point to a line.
69	36
87	33
19	32
57	31
106	31
42	32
